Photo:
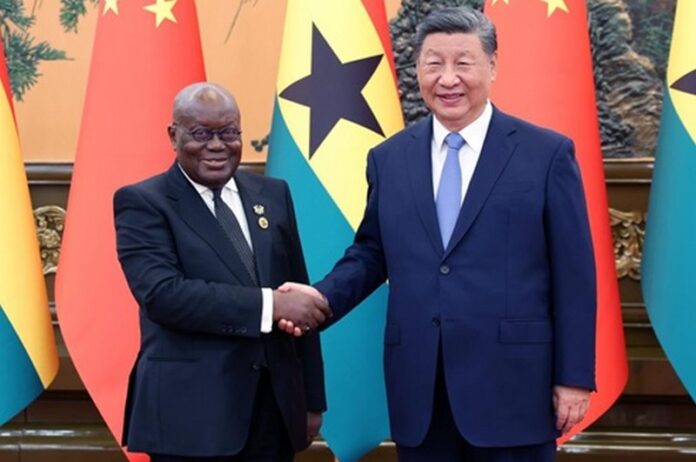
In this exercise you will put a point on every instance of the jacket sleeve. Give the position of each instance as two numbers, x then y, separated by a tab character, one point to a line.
573	284
151	264
362	269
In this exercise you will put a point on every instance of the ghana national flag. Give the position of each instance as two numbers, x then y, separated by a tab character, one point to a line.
668	277
336	98
28	357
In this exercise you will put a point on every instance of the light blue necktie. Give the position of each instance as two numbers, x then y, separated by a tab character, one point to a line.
449	193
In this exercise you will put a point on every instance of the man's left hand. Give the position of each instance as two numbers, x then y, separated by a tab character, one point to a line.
314	420
570	404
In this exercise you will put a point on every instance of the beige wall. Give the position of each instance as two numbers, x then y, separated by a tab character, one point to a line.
49	116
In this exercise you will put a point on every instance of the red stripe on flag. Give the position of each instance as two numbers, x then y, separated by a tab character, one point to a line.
5	78
377	12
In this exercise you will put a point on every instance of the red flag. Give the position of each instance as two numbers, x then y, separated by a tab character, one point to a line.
144	52
545	76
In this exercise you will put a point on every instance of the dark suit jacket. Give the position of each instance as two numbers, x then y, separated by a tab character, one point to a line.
192	389
511	300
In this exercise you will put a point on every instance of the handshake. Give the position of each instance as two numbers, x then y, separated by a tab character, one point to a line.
299	308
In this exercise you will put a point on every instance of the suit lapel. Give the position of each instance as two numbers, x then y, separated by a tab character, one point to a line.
420	169
496	152
193	211
250	193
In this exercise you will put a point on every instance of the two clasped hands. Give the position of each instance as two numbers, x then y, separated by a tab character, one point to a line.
298	308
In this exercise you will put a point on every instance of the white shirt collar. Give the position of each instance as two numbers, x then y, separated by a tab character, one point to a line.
474	134
231	184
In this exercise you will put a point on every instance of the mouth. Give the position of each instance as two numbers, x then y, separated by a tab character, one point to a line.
215	163
450	98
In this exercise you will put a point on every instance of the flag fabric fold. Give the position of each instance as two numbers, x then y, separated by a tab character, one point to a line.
144	53
545	76
28	355
336	98
667	274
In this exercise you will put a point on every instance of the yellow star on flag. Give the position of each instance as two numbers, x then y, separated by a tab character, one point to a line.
553	5
110	5
162	10
507	2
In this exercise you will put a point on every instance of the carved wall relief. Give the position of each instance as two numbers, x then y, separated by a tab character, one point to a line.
628	232
50	220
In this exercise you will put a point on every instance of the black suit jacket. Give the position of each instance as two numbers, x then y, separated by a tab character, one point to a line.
191	391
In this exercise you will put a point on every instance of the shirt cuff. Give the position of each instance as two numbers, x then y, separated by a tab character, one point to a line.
266	310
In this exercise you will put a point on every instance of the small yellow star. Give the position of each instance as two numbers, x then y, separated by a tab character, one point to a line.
162	10
507	2
553	5
110	5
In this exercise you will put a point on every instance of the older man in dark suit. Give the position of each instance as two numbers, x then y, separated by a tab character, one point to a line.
202	245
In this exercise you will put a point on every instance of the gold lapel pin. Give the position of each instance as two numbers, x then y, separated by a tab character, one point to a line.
259	209
263	223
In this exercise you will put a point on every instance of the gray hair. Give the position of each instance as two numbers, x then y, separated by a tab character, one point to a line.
201	92
457	20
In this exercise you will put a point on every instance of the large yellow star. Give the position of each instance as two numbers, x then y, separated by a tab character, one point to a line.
553	5
507	2
162	10
110	5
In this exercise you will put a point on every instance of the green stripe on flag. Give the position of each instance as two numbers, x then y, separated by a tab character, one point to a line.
353	348
19	383
670	247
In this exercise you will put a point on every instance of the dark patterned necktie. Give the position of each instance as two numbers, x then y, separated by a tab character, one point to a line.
225	216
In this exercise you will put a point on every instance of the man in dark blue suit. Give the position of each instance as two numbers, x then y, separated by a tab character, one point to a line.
201	246
478	221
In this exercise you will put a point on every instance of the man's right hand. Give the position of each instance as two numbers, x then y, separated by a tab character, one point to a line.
303	310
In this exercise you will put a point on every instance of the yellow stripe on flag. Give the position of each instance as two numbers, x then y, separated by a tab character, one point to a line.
682	60
340	160
22	287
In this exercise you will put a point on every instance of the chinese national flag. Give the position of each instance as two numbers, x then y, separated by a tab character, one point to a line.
545	76
144	53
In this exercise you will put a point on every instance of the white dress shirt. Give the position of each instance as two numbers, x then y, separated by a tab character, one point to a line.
474	134
230	196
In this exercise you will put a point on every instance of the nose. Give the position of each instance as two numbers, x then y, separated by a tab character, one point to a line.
448	77
215	143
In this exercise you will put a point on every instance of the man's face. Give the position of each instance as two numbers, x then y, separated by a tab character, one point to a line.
455	76
210	163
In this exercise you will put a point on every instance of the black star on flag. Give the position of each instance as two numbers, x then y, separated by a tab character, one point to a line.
333	91
686	83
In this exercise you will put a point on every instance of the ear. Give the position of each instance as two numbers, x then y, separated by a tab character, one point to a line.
494	66
171	131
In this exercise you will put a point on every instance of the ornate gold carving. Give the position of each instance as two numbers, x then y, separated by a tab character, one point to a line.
628	232
50	220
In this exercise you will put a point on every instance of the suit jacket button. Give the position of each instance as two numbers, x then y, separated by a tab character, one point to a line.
256	366
240	330
436	322
444	269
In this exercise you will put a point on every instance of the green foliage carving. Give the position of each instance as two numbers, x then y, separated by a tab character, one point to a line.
71	11
24	54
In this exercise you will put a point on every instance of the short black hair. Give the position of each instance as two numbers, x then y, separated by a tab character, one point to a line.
457	20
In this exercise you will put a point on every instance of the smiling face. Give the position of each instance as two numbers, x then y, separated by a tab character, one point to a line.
455	76
210	163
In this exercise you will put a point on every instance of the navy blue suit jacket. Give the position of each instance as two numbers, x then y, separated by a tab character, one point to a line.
191	391
511	300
